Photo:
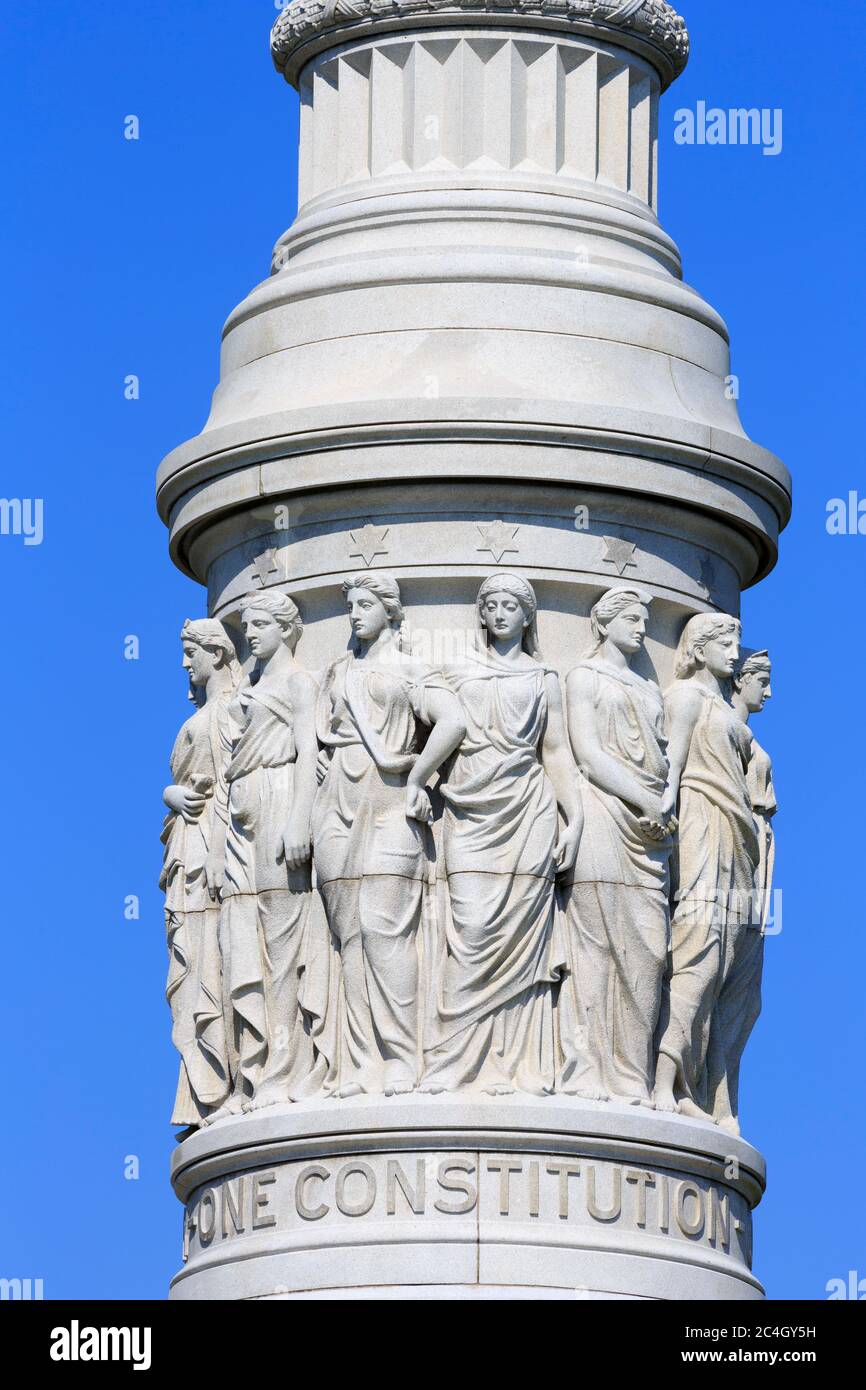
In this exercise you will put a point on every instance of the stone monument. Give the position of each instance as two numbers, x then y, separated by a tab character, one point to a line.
468	843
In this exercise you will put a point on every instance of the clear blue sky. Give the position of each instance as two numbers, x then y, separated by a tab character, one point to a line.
125	257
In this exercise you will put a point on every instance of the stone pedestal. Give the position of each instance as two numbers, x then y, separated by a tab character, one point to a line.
445	1198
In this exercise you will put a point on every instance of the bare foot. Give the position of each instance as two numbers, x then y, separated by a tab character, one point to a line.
352	1088
233	1106
271	1093
397	1081
693	1112
664	1101
499	1088
587	1092
433	1088
534	1088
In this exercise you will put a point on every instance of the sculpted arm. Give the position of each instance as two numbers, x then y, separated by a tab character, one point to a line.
296	841
560	768
184	802
604	771
214	868
442	712
682	709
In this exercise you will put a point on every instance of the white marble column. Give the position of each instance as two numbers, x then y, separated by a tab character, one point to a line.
475	349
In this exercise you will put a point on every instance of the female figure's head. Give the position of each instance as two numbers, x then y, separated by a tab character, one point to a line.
269	621
752	681
710	642
507	608
374	605
207	649
620	617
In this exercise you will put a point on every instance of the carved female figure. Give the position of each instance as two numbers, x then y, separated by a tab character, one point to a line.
266	892
739	1004
715	861
372	844
194	839
502	850
616	897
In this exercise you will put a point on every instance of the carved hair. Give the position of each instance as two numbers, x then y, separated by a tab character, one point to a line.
212	636
756	663
282	609
609	606
698	631
522	590
387	591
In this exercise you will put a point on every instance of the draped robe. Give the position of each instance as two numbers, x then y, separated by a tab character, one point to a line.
503	956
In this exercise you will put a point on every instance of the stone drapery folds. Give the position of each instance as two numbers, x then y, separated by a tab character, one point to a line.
390	876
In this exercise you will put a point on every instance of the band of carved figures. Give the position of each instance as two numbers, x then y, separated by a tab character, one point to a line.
394	877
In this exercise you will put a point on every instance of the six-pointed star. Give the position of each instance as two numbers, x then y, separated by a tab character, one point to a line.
619	554
497	537
265	565
369	541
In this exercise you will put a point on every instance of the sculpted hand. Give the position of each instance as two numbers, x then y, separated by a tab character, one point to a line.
566	849
213	875
652	828
185	802
418	805
294	849
323	762
658	829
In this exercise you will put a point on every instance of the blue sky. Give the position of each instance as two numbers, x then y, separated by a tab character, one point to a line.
125	257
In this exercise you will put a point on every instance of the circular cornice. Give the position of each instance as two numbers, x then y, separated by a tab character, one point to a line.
650	27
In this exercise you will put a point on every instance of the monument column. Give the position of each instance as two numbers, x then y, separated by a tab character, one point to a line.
475	352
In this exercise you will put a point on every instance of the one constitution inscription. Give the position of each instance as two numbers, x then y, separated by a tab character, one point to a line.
437	1188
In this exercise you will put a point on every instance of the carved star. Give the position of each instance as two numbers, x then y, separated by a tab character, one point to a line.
497	537
619	554
708	575
266	565
370	543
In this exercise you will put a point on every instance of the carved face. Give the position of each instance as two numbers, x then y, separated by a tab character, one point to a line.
627	630
720	656
754	688
503	616
199	662
263	633
366	614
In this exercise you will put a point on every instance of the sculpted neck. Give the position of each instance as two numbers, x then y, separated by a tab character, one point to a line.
711	683
383	647
508	648
218	683
281	662
611	655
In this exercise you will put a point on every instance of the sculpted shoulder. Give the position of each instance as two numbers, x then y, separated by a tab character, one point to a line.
303	685
580	679
684	699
